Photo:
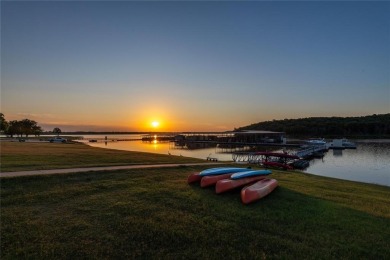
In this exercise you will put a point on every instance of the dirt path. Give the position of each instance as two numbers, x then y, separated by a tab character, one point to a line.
104	168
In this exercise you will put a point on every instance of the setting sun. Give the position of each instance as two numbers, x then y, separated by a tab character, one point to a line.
155	124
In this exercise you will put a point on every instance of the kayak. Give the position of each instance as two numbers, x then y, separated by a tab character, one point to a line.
240	175
222	170
229	184
258	190
212	180
195	177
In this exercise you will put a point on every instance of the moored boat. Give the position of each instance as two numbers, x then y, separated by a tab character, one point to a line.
229	184
301	164
240	175
342	144
278	165
314	141
258	190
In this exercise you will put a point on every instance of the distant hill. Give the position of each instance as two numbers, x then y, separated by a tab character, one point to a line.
364	126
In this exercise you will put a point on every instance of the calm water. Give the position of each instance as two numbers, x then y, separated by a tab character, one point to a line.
370	162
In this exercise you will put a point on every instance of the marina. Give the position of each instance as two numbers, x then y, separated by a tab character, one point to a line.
368	163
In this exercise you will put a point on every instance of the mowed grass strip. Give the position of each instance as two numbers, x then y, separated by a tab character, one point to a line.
26	156
154	213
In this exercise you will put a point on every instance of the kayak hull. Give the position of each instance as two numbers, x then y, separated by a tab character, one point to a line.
245	174
229	184
221	170
258	190
212	180
194	177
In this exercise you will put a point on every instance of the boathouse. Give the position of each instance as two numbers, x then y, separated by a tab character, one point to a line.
257	136
244	137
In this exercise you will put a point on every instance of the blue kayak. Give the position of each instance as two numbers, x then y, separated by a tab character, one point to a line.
222	170
240	175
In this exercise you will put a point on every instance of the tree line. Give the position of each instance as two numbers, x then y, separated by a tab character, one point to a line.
370	126
19	127
24	127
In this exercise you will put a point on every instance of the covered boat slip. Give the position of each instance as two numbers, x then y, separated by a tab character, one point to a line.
238	138
267	159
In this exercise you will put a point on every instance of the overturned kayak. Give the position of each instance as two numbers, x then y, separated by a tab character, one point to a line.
258	190
229	184
249	173
212	180
222	170
196	177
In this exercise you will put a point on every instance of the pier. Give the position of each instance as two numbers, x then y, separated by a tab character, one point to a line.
310	151
94	140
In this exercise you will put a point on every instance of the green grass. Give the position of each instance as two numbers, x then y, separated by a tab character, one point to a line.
26	156
154	213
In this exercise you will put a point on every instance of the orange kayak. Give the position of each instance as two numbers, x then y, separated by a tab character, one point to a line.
258	190
229	184
212	180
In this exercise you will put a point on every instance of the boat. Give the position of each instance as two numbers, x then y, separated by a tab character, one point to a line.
277	165
196	177
279	160
314	141
258	190
300	164
229	184
278	155
240	175
342	144
222	170
212	180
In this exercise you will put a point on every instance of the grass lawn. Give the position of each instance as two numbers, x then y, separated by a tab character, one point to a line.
154	213
26	156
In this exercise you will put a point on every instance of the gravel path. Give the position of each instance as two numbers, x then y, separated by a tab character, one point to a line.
104	168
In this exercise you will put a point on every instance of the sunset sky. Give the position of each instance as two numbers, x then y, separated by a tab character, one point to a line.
191	66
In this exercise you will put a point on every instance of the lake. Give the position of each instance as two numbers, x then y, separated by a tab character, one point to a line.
369	163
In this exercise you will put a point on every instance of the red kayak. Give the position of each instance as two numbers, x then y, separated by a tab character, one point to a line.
258	190
212	180
229	184
195	177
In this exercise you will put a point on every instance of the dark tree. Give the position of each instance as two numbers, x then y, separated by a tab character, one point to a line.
57	131
28	126
3	123
37	130
14	128
374	125
25	126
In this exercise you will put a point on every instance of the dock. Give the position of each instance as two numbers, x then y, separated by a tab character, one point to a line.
310	151
94	140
